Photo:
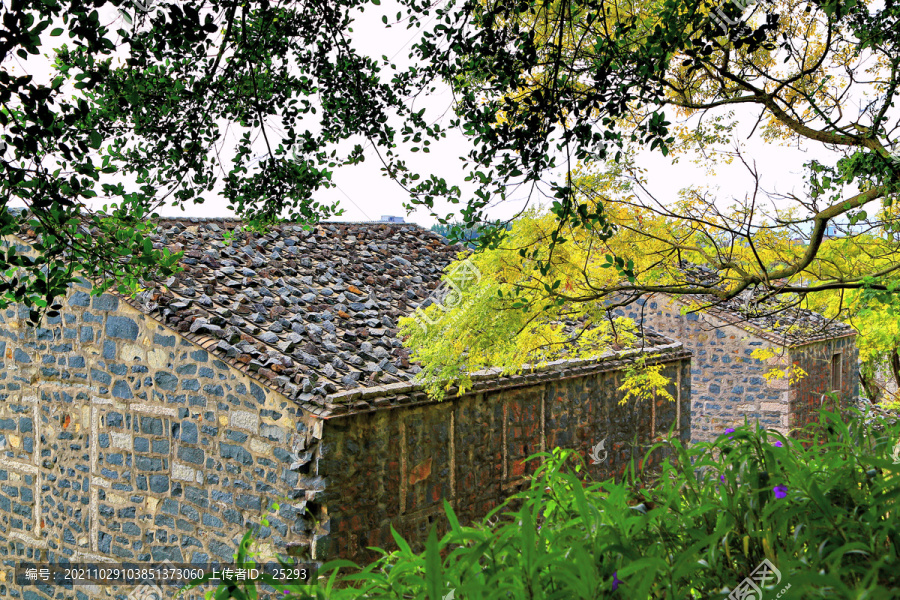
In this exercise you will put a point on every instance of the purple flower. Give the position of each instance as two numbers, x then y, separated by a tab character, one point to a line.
729	430
780	491
777	443
722	478
616	580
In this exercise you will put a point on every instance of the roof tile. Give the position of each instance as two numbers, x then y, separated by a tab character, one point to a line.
310	312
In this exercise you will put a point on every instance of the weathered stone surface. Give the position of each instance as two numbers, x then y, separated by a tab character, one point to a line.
122	390
128	425
121	327
245	420
165	381
473	450
105	302
729	384
269	338
80	299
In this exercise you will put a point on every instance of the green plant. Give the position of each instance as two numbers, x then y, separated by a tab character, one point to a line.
228	236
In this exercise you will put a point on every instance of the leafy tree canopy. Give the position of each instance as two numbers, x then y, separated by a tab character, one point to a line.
602	80
134	113
587	86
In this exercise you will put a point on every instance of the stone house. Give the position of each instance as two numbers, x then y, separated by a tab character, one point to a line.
729	384
269	370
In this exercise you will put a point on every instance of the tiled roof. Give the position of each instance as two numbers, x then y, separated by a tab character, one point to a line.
313	312
777	320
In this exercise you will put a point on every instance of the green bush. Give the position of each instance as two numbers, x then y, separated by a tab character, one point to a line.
822	511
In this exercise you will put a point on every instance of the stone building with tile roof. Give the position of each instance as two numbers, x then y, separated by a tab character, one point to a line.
269	370
729	384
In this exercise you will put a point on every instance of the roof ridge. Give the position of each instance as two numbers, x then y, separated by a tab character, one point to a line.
749	323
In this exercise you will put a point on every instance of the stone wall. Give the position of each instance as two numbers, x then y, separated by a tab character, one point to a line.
124	440
396	467
816	361
727	383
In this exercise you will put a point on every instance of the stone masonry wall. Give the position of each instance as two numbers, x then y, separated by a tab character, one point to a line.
816	360
124	440
727	383
395	467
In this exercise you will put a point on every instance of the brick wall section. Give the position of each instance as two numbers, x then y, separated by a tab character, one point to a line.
728	384
816	360
397	466
124	440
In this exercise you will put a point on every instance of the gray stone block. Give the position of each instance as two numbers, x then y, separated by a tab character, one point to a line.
191	455
165	381
80	299
122	390
159	484
105	302
121	327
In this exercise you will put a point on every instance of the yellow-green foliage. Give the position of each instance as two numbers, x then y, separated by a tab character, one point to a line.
502	314
644	382
793	373
874	316
511	315
751	242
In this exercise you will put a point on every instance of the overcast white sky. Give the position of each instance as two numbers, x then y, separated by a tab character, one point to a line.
366	194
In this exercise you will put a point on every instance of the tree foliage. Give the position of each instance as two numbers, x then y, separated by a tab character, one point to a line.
494	310
137	111
585	85
874	316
